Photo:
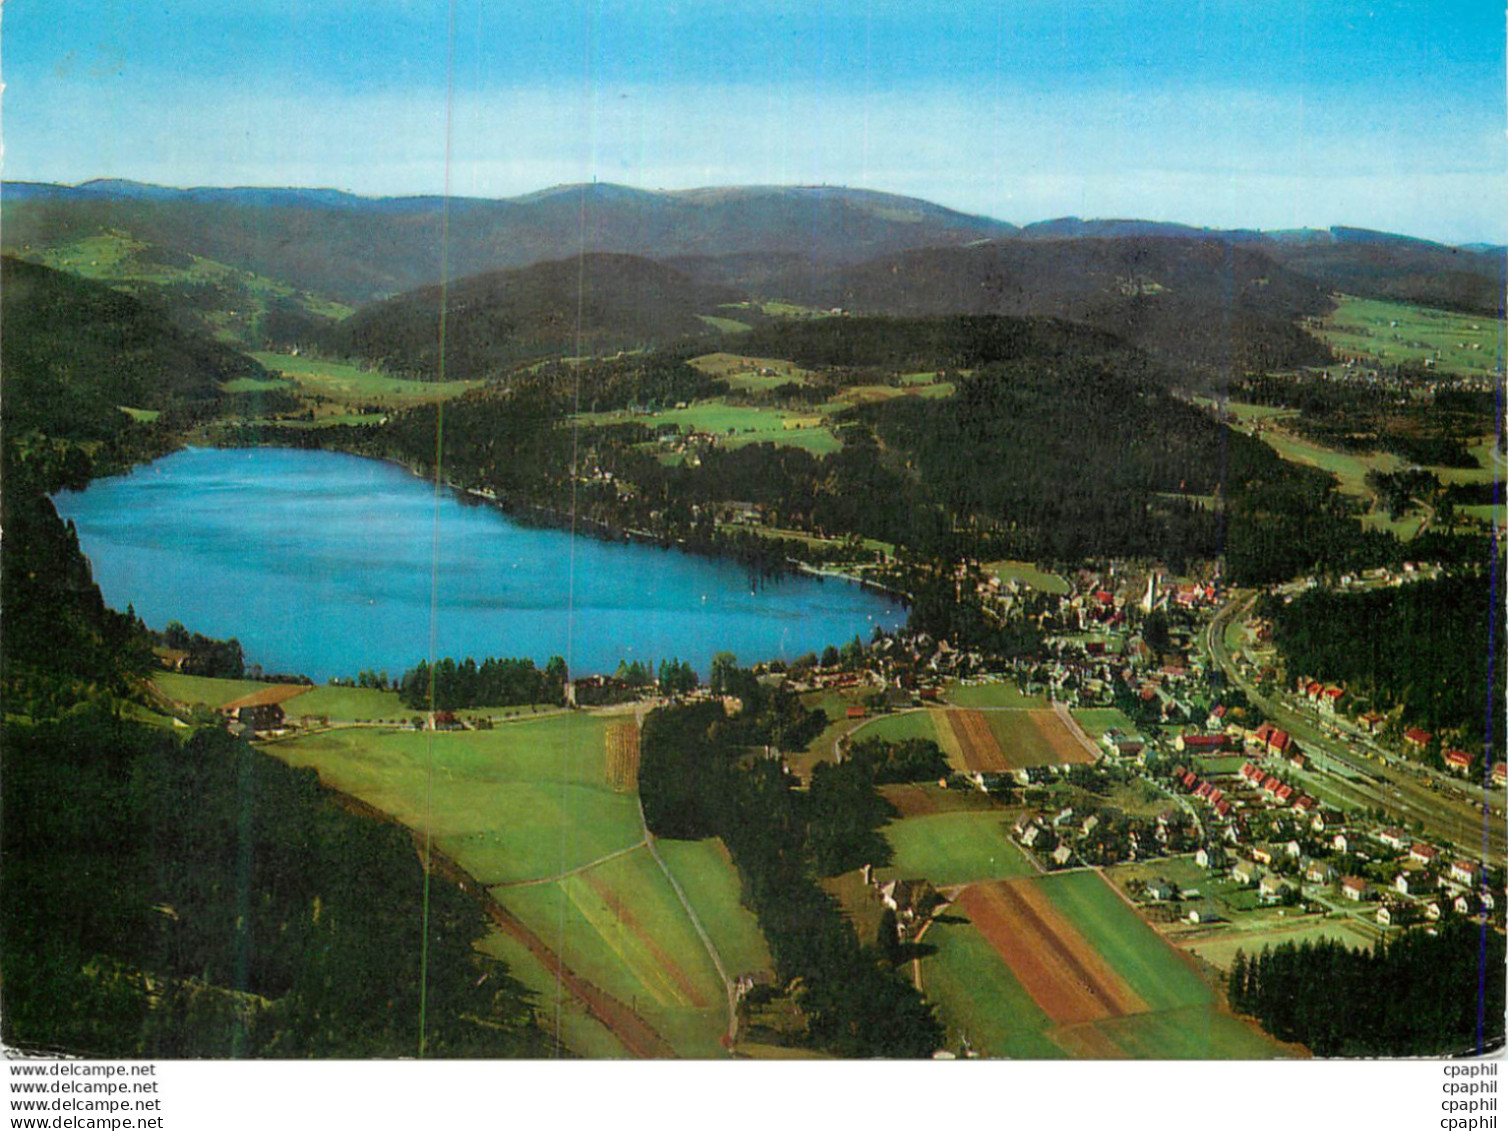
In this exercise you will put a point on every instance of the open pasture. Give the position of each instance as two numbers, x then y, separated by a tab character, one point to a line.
898	727
526	800
620	926
1095	721
955	848
750	374
997	693
1219	945
707	876
350	384
1396	333
198	690
1029	575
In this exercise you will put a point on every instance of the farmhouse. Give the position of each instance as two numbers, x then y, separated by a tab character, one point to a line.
261	710
1354	888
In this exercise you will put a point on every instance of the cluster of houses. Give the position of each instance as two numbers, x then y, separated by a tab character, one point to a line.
1102	836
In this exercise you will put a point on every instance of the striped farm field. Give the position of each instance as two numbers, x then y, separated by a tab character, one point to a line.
1036	738
1070	981
970	744
623	756
995	741
620	926
1061	966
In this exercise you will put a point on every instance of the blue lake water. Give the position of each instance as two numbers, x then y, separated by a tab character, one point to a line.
327	564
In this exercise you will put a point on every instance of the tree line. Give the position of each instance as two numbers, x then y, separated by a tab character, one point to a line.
696	780
1420	994
449	685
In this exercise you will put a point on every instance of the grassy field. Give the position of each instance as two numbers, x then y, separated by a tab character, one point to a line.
558	1011
745	373
349	704
1393	332
1219	946
349	384
898	727
707	876
725	325
981	695
529	799
738	425
1028	574
198	690
620	926
1097	720
955	848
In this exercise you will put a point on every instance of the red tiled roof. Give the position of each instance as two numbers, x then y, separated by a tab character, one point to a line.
1418	737
1458	758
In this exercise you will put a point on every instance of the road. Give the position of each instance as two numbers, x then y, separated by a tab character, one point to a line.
1408	792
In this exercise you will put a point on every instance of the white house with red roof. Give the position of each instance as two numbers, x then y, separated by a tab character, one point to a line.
1457	761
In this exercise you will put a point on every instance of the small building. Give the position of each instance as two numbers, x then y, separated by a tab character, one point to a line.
1320	872
1273	889
1463	872
1062	855
1354	888
1160	889
1416	738
1457	761
1425	854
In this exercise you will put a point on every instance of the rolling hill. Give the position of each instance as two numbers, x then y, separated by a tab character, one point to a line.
75	351
1196	302
592	305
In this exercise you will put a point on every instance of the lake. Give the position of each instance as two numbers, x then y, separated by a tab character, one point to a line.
328	564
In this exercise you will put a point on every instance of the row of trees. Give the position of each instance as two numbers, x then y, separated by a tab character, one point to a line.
448	685
1403	997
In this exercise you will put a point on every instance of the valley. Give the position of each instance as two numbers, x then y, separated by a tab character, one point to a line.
532	583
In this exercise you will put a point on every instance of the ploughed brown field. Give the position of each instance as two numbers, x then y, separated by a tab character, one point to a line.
1054	963
623	756
1004	740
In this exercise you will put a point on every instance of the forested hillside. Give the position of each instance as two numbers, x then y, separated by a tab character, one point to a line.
595	304
75	352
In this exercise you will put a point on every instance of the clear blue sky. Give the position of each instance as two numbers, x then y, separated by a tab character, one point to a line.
1262	113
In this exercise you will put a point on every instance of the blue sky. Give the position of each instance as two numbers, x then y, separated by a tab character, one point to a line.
1282	113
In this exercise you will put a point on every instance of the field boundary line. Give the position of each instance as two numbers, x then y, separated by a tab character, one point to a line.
680	894
587	867
629	1029
1061	710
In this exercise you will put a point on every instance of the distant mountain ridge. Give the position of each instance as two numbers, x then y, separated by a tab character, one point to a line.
356	249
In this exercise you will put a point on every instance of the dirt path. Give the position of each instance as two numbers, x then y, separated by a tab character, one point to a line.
1077	731
587	867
